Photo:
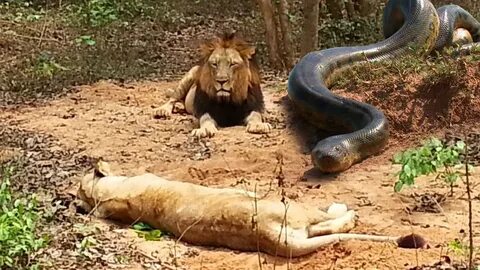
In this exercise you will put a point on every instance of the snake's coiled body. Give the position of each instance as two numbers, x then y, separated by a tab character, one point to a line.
363	129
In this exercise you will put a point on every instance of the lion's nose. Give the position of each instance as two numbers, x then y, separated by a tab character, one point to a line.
222	80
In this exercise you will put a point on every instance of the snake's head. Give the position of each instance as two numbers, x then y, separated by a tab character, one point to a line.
331	155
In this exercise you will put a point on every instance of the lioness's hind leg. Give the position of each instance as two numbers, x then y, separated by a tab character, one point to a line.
256	125
208	127
299	247
342	224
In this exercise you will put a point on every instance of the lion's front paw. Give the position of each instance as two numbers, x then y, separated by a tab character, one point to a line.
164	111
259	127
207	131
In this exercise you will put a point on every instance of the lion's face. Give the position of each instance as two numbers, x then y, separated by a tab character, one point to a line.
226	73
223	64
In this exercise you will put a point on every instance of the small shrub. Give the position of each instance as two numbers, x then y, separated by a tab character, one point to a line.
432	157
18	223
98	12
46	65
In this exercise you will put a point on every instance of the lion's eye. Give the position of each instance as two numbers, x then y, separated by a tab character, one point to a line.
214	65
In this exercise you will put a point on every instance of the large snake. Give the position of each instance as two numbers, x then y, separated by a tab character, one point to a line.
362	129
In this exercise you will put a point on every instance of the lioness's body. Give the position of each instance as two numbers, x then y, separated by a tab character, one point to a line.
222	217
223	90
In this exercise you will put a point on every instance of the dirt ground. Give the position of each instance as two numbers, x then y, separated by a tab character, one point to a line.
116	123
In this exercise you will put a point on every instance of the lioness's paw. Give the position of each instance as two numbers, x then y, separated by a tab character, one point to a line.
208	131
259	127
350	219
164	111
337	209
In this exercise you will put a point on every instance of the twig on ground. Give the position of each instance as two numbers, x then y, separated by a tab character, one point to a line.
166	266
44	28
284	225
180	238
470	215
255	226
279	170
14	58
472	187
19	24
413	231
148	256
31	37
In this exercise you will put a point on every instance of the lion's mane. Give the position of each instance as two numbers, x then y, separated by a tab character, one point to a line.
246	92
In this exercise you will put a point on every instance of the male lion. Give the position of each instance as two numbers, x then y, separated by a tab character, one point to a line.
223	90
222	217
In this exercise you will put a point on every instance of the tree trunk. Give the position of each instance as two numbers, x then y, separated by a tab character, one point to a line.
287	55
350	7
268	14
336	7
310	26
365	7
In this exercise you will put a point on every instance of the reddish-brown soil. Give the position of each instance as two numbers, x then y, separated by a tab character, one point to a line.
116	123
415	104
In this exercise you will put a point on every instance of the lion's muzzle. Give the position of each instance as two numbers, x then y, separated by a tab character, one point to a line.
223	87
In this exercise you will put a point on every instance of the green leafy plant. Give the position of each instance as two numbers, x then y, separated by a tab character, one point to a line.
432	157
18	224
88	40
100	12
46	65
460	247
146	231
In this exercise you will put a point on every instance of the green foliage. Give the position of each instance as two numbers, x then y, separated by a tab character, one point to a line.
458	247
461	248
88	40
18	223
98	12
430	158
146	231
346	32
19	11
46	65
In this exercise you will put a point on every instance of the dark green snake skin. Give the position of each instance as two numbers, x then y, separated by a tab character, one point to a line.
362	129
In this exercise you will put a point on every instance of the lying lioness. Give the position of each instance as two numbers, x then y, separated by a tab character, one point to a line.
221	217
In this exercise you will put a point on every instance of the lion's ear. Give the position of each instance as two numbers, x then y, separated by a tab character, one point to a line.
249	52
206	49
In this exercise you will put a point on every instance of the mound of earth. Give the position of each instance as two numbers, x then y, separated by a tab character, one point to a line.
416	102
